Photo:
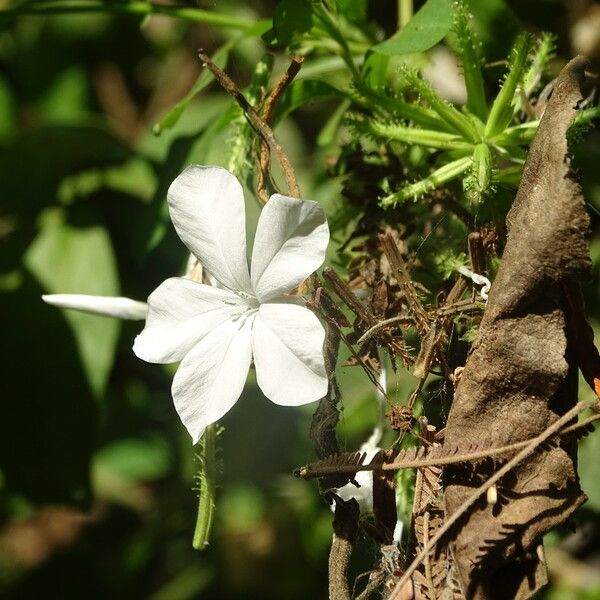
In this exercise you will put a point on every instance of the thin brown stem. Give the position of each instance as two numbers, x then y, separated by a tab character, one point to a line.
268	107
309	472
263	128
404	281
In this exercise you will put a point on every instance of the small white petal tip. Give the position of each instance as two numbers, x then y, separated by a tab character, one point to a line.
107	306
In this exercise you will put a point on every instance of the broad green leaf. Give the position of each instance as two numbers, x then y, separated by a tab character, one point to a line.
428	27
78	258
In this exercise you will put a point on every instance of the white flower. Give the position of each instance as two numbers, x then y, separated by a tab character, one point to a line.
216	332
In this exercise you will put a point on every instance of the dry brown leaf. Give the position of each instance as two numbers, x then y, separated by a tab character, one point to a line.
521	374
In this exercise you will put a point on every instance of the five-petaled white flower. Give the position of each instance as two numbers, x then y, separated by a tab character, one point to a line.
216	332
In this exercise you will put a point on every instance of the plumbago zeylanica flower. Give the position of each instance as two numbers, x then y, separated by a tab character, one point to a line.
216	332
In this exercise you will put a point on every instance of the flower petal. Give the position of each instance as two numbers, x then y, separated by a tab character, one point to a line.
364	493
211	377
206	205
291	239
287	342
107	306
181	312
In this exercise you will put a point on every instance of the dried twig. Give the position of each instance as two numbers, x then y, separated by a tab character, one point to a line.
267	114
263	128
404	281
342	289
439	456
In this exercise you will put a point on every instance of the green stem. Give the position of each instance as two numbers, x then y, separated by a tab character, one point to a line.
413	135
195	15
331	28
502	110
447	113
519	135
369	98
405	12
207	478
436	179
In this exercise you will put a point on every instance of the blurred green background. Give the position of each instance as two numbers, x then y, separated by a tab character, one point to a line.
96	471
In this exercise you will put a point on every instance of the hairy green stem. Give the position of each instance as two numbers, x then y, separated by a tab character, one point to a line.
413	135
502	110
207	479
442	175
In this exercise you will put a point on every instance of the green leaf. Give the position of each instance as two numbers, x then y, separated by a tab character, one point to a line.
353	10
428	27
291	18
327	134
67	98
466	49
220	59
78	258
136	460
503	108
303	91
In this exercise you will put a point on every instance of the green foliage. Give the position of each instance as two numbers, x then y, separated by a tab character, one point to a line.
427	28
291	19
61	258
83	181
466	49
502	110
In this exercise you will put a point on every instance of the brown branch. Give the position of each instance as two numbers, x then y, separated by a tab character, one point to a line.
263	128
342	289
279	87
400	320
451	520
476	252
267	114
326	416
313	471
345	530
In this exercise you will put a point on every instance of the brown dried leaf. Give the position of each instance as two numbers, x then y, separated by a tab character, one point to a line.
521	374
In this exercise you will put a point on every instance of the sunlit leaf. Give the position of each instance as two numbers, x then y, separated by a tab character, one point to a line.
78	258
423	31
